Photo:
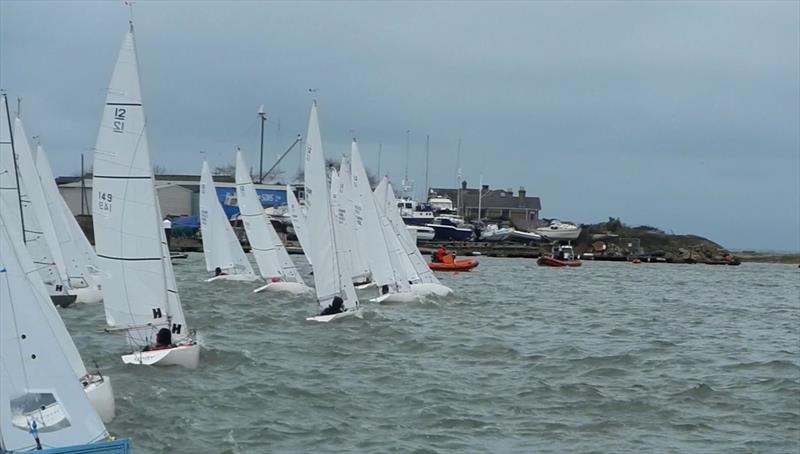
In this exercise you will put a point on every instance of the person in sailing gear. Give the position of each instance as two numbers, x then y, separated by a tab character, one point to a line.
335	307
163	340
218	272
385	289
438	255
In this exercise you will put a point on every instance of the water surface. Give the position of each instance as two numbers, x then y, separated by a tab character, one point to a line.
609	357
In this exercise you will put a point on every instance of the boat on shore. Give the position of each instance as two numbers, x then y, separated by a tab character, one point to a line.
422	232
524	237
493	233
563	255
558	230
446	230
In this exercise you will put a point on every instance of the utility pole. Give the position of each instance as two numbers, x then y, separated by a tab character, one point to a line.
263	117
427	164
380	150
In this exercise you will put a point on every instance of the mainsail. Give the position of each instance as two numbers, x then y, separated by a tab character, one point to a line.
221	247
140	294
36	376
331	277
271	256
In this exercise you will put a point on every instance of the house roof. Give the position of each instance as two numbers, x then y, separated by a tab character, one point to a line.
492	198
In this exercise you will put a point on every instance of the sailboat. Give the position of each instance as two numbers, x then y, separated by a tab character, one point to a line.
42	406
80	259
96	385
20	189
221	247
332	279
423	281
298	218
274	263
344	207
368	227
140	296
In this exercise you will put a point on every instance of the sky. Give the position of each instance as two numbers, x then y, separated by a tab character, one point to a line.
680	115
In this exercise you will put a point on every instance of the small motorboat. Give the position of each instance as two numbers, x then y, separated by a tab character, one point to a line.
494	233
524	237
446	230
450	263
563	255
558	230
422	233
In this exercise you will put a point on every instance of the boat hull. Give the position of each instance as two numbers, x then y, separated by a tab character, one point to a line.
332	317
234	277
295	288
187	356
554	262
89	295
424	289
558	234
398	297
517	235
458	265
101	447
450	233
101	396
63	300
423	233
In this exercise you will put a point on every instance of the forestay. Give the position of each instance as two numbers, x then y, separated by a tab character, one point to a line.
299	223
36	378
140	293
271	256
331	277
221	247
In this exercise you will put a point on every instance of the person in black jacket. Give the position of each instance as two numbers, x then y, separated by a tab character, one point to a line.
336	306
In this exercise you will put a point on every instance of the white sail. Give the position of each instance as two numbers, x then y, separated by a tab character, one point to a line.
299	223
339	208
271	256
331	278
384	195
139	294
14	155
221	247
74	248
358	262
36	378
370	230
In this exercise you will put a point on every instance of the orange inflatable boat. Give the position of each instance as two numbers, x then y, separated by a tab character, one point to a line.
451	264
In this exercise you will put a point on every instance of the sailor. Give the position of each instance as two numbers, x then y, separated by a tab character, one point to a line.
163	340
218	272
438	255
335	307
384	289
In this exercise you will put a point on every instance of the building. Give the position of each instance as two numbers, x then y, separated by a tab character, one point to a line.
496	205
178	195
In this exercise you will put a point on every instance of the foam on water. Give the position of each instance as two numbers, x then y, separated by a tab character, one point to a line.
611	357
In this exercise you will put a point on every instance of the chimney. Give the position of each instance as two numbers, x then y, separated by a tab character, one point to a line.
484	188
464	184
522	201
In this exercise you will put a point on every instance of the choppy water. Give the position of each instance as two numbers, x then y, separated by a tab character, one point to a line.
610	357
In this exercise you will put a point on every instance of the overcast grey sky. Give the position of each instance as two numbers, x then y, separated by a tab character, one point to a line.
682	115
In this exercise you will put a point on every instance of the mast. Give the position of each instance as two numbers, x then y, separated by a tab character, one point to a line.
380	150
83	187
16	169
480	196
263	117
458	177
405	178
427	164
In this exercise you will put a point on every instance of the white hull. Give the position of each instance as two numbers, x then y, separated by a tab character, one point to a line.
288	287
559	234
89	295
234	277
101	396
332	317
524	236
422	233
183	355
431	289
399	297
